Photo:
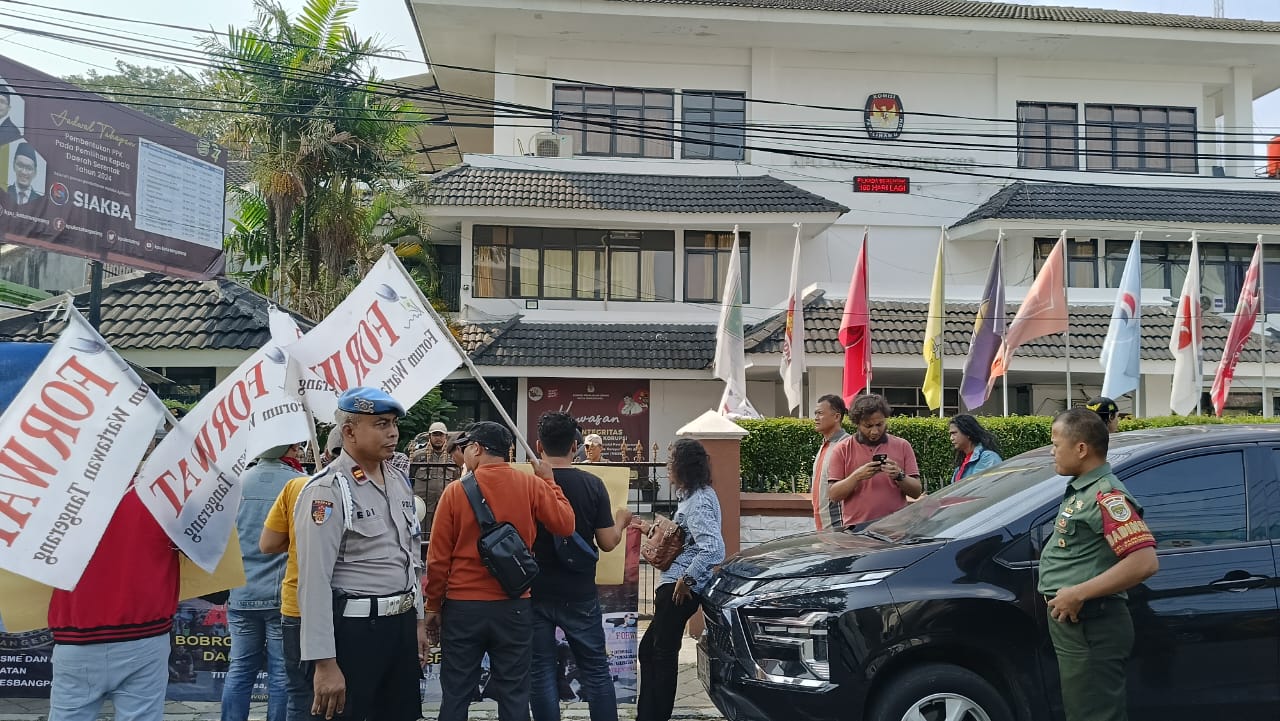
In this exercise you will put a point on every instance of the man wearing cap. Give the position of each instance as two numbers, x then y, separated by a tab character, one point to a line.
357	535
1107	410
253	610
595	448
466	610
429	480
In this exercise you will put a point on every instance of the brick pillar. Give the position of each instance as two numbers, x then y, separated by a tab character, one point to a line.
723	440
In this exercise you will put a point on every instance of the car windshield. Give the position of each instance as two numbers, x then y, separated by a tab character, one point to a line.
977	504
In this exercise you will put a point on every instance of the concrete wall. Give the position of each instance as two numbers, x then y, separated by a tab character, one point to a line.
760	529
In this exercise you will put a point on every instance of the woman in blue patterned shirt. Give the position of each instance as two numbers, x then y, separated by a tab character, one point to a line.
679	594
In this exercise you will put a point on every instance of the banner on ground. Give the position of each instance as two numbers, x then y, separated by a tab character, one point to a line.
88	177
190	483
69	442
382	335
618	581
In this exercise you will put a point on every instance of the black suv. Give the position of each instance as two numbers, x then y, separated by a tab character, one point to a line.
931	614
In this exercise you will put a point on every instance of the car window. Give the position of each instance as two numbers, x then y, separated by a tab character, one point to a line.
1195	501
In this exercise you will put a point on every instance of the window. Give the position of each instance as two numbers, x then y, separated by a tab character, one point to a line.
617	122
911	401
1222	267
1047	136
1082	260
471	404
1175	497
189	384
1129	137
573	263
713	117
706	264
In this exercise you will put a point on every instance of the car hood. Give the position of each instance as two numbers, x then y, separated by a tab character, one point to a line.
826	553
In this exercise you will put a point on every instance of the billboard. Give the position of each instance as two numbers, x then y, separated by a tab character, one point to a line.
80	175
617	410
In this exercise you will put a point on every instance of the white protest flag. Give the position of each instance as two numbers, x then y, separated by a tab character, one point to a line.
69	444
191	482
1187	340
383	336
730	359
793	361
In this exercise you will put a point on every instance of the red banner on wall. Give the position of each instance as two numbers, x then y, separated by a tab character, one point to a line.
618	410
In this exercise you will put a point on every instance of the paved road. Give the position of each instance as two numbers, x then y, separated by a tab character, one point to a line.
691	703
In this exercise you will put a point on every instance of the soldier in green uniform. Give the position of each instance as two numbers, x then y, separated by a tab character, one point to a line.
1100	548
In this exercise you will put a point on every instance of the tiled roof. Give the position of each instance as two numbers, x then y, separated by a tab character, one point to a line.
591	345
991	11
466	185
238	173
149	311
897	328
1056	201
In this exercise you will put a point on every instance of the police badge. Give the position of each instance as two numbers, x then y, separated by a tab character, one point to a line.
320	511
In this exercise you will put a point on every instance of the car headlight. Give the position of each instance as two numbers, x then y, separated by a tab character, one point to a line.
789	650
785	587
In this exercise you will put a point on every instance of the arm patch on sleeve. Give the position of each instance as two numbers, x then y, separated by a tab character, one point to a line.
1123	528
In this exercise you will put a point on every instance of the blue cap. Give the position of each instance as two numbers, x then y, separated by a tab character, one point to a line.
369	401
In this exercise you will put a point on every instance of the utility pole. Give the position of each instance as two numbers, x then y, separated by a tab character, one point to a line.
1219	8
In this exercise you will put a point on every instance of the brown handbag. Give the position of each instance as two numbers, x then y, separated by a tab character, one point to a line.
664	541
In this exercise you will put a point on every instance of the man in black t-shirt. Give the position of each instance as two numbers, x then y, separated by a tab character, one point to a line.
565	598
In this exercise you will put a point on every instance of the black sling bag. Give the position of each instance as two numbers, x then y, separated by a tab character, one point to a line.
501	548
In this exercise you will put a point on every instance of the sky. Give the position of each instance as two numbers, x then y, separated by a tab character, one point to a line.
389	21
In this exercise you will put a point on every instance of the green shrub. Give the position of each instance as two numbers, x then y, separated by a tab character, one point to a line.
778	453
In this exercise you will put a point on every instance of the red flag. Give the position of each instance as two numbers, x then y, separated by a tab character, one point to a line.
855	330
1238	336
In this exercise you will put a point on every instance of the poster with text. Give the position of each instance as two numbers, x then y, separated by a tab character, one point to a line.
617	410
85	176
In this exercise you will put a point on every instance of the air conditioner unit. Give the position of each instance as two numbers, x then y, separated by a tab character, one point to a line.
552	145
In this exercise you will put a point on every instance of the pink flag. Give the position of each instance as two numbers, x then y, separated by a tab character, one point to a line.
855	329
1238	336
1043	311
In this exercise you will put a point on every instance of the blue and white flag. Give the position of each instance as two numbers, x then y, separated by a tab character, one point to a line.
1121	351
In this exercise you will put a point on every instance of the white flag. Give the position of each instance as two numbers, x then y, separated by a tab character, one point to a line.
1186	341
1121	351
69	444
380	336
793	364
731	359
191	482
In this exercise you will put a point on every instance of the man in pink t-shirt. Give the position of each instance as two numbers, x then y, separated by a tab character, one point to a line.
873	473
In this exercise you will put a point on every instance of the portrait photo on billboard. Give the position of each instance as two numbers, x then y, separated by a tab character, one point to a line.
24	177
12	114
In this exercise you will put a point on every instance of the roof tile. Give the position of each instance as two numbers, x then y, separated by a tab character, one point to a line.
1060	201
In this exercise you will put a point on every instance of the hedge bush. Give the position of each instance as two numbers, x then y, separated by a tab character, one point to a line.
778	453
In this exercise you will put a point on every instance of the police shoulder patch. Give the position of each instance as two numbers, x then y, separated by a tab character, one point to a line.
320	511
1116	506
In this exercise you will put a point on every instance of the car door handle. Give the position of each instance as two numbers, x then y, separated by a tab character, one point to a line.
1238	583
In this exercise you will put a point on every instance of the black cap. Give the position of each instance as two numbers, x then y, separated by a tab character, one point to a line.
1103	406
493	437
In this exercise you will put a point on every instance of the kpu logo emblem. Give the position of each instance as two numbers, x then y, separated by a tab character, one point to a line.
883	118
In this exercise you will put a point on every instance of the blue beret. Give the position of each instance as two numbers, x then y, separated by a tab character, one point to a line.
369	401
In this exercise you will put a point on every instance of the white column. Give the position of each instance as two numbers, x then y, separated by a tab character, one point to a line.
508	140
1238	118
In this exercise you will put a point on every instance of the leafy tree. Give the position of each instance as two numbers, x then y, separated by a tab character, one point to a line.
167	94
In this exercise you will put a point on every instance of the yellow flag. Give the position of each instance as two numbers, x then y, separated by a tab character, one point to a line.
932	387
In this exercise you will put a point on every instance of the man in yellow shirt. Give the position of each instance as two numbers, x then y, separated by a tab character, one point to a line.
277	537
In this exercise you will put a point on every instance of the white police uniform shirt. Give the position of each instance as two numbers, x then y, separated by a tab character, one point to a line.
355	537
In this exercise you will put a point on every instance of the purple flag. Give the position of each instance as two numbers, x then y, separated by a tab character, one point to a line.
988	330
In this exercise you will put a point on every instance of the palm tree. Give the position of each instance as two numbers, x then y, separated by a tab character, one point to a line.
325	171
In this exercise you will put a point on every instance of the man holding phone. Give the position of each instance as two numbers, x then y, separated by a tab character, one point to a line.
874	473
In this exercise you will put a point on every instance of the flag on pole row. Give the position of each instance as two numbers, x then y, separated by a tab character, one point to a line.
855	329
191	482
69	443
1241	330
731	355
988	332
1122	349
1187	339
1043	312
934	326
793	361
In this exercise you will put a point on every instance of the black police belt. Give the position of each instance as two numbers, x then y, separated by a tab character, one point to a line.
373	607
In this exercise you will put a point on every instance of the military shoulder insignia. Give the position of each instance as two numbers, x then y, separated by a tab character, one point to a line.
358	474
1123	529
1116	506
320	511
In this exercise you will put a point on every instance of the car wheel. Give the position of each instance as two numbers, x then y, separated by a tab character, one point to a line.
939	692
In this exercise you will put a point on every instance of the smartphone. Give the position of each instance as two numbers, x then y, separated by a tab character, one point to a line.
880	458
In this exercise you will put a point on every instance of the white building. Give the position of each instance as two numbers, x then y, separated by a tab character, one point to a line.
630	136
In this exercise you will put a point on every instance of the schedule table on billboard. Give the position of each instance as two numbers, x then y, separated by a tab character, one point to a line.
179	195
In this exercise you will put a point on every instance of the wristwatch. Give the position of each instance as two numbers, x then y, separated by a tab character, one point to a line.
900	477
688	582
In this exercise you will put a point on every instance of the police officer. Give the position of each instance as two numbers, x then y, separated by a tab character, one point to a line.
357	536
1107	410
1099	549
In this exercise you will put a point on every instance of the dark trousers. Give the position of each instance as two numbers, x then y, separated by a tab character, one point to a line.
1092	655
660	654
378	657
300	690
584	633
469	630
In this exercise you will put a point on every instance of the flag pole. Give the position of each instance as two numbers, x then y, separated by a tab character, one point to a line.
1262	323
866	288
942	324
1004	384
1066	334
